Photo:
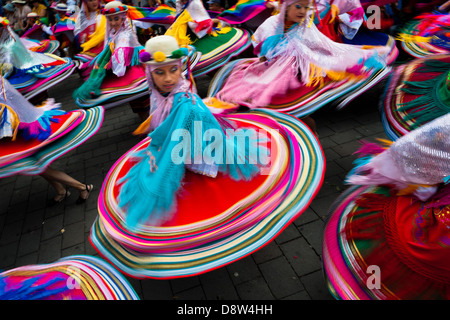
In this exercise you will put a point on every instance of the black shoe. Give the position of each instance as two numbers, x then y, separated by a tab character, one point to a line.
89	188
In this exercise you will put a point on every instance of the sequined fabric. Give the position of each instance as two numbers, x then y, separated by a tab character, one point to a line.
419	159
424	155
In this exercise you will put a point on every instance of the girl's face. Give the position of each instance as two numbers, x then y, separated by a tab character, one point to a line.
296	12
92	5
115	21
166	78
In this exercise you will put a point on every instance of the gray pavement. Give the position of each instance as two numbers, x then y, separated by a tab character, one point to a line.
288	268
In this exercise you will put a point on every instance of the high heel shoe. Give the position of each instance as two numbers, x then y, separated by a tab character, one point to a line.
62	196
89	188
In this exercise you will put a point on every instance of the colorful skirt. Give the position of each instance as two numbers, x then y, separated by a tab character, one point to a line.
250	14
385	247
233	220
427	34
32	157
87	56
118	90
415	94
43	46
218	50
32	84
79	277
305	100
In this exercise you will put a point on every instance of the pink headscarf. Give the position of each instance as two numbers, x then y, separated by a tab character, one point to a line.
161	106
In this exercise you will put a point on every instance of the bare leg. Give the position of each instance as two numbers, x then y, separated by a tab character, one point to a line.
60	189
58	179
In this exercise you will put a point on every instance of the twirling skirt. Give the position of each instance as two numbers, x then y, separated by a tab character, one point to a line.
32	157
386	247
217	220
78	277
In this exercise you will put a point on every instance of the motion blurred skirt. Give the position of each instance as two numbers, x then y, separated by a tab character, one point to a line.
31	84
117	90
426	35
79	277
218	50
231	221
403	111
31	157
306	100
43	46
386	247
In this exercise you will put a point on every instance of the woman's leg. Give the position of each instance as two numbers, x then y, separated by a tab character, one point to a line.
58	179
61	191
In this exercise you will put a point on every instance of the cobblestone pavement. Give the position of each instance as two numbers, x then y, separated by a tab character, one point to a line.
287	268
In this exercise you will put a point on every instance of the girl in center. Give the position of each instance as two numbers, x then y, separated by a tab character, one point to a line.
148	190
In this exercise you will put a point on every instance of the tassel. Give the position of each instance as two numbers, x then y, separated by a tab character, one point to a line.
410	189
440	199
92	86
311	20
446	180
191	78
224	30
218	104
178	29
144	127
385	142
51	55
3	85
412	38
370	148
434	65
358	166
41	128
318	15
371	201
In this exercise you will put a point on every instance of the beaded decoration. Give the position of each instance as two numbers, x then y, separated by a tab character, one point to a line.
115	10
160	56
4	22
